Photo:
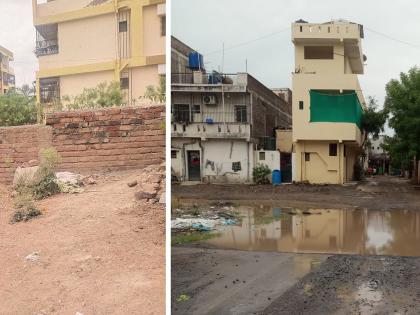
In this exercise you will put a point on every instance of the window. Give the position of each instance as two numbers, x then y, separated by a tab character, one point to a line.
261	156
173	154
123	26
196	109
163	25
307	157
181	113
124	83
319	52
333	149
49	90
301	105
241	114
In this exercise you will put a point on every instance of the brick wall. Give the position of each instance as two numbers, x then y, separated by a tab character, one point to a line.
89	141
19	145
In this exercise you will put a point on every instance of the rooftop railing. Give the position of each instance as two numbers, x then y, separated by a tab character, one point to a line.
206	78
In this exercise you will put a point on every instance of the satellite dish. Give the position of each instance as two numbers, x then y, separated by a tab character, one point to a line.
364	58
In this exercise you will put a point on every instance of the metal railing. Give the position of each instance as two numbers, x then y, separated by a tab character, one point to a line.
46	47
217	117
203	78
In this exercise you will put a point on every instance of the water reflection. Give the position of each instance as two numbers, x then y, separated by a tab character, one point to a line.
324	231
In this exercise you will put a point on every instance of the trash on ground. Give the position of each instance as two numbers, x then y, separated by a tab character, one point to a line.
183	298
68	182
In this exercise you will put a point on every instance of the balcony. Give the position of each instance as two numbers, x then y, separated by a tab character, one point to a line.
46	40
335	108
234	124
46	47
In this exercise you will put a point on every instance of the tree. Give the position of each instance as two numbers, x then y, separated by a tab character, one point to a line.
373	120
403	103
17	108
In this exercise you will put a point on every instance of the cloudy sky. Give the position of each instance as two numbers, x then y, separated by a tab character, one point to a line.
17	34
206	25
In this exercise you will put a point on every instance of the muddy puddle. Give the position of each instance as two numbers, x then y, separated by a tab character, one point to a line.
323	231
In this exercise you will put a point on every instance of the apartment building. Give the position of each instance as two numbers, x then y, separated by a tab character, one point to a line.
81	43
327	100
7	75
221	123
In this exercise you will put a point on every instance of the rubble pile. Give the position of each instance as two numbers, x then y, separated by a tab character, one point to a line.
150	186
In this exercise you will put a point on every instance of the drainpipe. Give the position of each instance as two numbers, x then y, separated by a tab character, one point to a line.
117	50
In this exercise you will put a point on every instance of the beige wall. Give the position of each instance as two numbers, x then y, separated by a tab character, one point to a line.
284	140
327	66
154	43
141	78
72	85
321	168
86	41
60	6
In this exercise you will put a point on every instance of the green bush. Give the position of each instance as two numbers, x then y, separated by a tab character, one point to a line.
25	207
157	94
17	108
260	173
103	95
46	185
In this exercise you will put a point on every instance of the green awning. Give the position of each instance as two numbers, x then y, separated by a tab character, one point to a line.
335	108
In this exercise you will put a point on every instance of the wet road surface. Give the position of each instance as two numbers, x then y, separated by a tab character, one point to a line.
355	285
233	282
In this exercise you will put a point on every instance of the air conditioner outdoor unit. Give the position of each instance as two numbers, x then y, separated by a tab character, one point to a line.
209	99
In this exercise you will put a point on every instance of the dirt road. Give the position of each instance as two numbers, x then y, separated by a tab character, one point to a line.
233	282
375	221
355	285
98	252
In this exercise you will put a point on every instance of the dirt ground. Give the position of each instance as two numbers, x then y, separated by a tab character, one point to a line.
336	284
98	252
233	282
355	285
387	192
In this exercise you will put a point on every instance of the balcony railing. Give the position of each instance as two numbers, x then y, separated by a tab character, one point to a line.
240	116
207	78
46	47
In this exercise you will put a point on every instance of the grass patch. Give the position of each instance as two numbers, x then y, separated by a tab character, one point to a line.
25	208
192	237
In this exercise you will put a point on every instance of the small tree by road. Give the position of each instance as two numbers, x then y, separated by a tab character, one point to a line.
403	104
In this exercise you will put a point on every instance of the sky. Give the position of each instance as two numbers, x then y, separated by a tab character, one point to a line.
208	25
17	34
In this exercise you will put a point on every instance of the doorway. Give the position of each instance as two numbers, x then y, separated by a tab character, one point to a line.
194	173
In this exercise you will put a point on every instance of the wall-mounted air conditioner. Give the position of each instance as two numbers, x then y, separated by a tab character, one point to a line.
209	100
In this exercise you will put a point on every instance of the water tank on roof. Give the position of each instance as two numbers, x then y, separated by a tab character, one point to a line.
195	61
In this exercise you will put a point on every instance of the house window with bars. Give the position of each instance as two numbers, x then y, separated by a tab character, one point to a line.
241	114
181	113
49	90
